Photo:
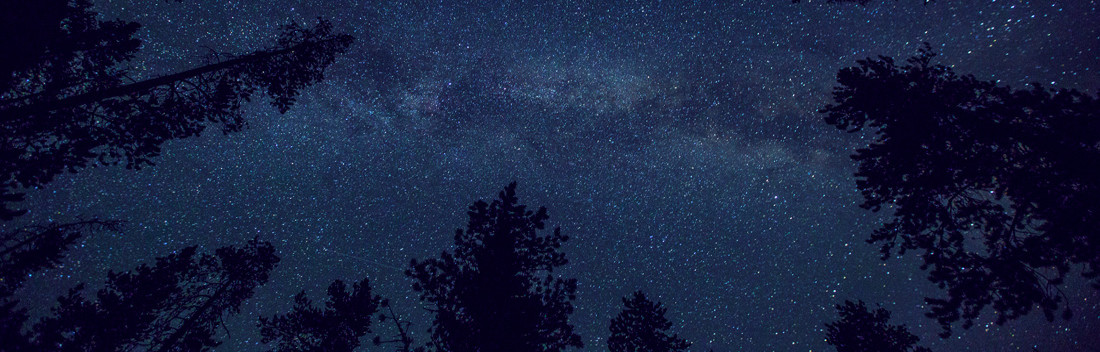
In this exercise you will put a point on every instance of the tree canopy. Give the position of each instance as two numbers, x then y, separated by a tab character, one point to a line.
177	304
861	330
346	318
25	251
496	291
29	249
642	327
995	187
68	102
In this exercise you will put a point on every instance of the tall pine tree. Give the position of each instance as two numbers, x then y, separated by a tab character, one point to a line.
496	292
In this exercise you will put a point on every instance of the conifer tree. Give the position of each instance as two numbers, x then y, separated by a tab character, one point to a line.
346	317
177	304
642	327
861	330
496	291
67	100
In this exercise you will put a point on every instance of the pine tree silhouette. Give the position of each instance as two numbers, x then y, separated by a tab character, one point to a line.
66	102
28	250
995	187
178	304
496	292
337	328
642	327
860	330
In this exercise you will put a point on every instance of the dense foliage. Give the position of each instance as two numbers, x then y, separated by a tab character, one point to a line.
642	327
861	330
995	187
496	291
69	102
338	327
177	304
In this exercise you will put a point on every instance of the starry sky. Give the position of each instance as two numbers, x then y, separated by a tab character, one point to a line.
675	142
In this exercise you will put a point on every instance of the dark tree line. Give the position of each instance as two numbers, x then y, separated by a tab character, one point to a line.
495	292
862	330
177	304
346	318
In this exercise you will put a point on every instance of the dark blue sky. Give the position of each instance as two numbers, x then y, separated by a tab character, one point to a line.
675	142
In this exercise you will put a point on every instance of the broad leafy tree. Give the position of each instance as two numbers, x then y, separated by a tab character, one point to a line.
345	319
995	188
496	291
68	101
861	330
642	327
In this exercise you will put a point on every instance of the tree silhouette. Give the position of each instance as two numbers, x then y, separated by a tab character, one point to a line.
995	187
860	330
66	102
642	327
337	328
25	251
29	249
496	292
401	326
175	305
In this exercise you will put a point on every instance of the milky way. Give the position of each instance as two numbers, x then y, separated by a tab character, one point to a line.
676	143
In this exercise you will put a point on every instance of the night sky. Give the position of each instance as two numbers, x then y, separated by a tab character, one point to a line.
676	143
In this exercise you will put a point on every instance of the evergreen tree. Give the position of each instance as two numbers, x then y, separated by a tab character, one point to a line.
25	251
337	328
860	330
67	102
29	249
642	327
178	304
496	291
995	187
